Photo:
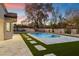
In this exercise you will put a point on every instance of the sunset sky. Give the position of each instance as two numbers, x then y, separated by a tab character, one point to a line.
19	8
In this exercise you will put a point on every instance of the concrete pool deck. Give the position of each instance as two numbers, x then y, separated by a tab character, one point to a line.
14	47
56	40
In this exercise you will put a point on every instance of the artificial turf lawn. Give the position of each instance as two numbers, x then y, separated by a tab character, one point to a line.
60	49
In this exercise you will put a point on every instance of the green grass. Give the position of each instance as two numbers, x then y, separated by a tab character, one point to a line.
61	49
65	49
34	51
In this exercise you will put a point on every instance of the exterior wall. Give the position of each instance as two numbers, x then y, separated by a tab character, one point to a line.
3	33
2	12
46	30
55	30
8	34
51	30
29	30
59	31
73	31
1	29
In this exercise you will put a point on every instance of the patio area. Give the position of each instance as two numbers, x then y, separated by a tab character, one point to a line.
14	47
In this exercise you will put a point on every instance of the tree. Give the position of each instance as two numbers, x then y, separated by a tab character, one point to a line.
73	17
38	13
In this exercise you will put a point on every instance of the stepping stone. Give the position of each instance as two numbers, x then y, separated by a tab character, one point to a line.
29	39
40	47
51	54
33	42
26	36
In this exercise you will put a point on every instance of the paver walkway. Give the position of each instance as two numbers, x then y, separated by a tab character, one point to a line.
51	54
14	47
29	39
33	42
39	47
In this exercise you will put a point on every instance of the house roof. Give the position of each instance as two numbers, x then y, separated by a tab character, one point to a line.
12	15
7	14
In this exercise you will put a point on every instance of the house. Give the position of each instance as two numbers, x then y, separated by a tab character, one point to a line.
6	23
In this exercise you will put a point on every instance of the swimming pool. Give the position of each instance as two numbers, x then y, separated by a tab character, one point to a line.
45	35
48	38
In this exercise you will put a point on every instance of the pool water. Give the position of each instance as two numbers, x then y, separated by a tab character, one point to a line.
49	38
45	35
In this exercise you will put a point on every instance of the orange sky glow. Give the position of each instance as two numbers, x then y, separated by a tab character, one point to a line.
15	5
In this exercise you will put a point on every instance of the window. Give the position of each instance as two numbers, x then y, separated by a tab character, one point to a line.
8	26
